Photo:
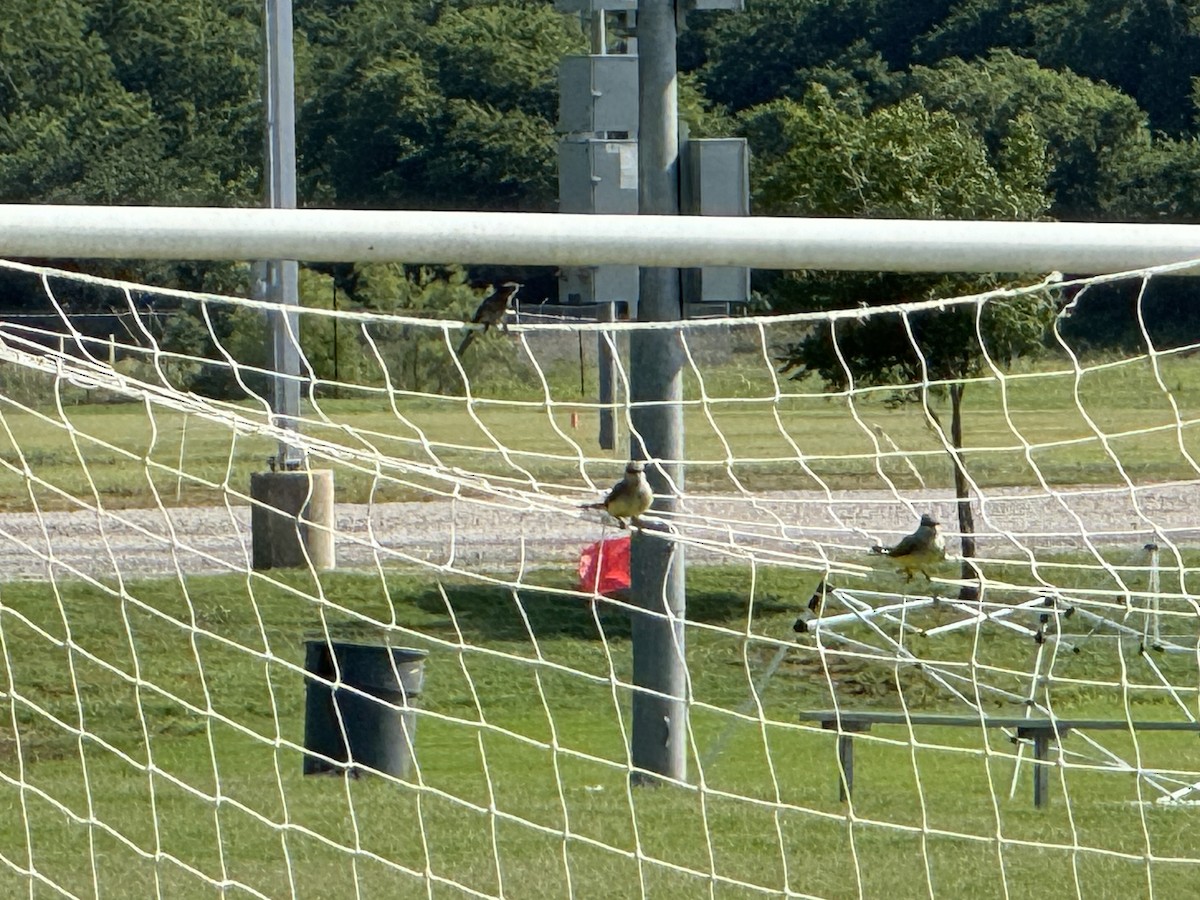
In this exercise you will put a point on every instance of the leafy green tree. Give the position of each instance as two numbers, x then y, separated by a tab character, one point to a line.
333	348
1091	130
776	48
822	157
130	102
1105	164
500	55
446	106
973	27
1160	184
362	140
421	358
1148	50
69	131
816	158
199	65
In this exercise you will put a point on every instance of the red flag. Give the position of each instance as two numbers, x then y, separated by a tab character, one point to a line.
604	567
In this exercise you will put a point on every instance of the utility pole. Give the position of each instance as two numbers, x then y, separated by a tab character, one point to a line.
279	281
660	714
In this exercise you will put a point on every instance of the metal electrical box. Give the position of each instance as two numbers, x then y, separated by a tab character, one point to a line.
599	284
598	93
598	176
717	179
716	182
590	6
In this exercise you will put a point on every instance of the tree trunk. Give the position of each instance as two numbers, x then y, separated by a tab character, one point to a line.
966	518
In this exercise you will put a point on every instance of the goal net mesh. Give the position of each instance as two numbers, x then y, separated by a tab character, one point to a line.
156	686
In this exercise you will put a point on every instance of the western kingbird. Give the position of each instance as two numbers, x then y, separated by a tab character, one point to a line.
920	551
629	497
490	312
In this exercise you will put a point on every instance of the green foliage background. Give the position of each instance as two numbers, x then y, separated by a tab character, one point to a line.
1073	109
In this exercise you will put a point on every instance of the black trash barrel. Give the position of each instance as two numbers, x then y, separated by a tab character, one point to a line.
372	732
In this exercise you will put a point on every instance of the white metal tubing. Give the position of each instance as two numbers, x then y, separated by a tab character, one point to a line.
868	612
975	616
422	236
1102	622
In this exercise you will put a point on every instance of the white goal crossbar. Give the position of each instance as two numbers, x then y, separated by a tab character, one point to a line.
424	236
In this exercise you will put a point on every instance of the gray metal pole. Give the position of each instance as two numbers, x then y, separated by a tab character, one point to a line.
278	281
659	740
606	365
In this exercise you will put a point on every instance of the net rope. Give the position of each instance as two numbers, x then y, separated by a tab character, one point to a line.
155	682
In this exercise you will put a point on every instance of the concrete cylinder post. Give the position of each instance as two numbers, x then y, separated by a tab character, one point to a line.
292	519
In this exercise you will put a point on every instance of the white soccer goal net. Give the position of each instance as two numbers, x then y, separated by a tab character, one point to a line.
154	692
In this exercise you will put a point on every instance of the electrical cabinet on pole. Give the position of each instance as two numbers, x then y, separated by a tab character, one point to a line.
597	171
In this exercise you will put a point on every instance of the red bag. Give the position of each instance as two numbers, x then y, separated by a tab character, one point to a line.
604	568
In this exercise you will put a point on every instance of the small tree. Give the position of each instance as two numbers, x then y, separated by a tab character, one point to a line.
824	157
1092	131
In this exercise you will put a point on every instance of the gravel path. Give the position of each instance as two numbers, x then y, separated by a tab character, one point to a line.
473	535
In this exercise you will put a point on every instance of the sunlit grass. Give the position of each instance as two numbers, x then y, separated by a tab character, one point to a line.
1095	425
127	712
179	696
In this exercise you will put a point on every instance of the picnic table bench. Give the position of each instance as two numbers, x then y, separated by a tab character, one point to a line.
1041	730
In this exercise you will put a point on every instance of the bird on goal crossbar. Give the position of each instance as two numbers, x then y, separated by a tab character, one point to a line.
491	312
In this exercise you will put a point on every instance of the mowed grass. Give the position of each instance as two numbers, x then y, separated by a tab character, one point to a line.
150	745
1098	424
150	733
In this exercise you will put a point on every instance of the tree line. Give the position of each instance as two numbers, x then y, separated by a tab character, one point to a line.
1013	109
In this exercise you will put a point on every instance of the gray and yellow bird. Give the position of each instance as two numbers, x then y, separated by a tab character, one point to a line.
629	497
491	312
920	551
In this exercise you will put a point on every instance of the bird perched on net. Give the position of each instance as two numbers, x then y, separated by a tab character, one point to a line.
920	551
629	497
490	312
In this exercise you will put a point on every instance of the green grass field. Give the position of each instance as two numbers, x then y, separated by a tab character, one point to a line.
151	740
1089	427
185	697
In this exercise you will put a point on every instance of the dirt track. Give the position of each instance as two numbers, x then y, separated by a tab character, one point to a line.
473	536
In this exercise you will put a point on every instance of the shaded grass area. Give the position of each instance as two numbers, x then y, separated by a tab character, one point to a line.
127	714
1135	417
